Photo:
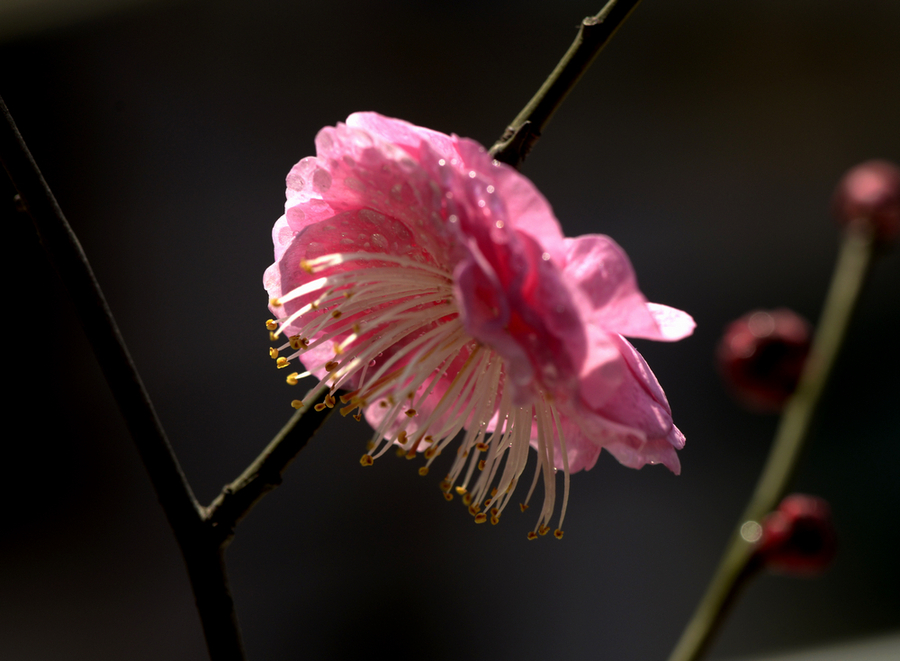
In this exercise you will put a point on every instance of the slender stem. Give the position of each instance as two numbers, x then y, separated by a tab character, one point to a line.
265	473
854	260
593	34
201	553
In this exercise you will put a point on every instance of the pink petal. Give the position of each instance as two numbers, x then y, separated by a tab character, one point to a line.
604	280
634	453
403	134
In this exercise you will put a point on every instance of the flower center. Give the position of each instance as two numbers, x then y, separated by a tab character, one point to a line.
387	330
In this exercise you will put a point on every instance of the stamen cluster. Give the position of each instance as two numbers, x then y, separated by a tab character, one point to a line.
396	342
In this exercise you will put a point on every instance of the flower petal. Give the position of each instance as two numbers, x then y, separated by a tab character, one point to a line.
606	286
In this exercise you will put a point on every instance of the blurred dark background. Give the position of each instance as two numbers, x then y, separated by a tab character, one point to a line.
706	139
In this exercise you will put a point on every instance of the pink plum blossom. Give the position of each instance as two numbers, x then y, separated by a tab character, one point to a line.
433	287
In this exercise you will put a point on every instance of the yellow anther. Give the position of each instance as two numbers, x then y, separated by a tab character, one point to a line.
481	465
467	499
401	437
487	503
366	460
473	509
336	314
543	530
532	535
558	533
461	491
273	352
494	511
400	452
357	417
272	336
493	492
296	342
338	349
429	453
411	413
482	447
448	496
348	294
329	401
305	265
320	406
480	518
445	485
382	404
423	471
292	378
271	324
523	506
370	445
297	404
275	303
282	362
494	520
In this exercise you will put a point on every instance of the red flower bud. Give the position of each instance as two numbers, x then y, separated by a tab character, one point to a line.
798	538
761	356
870	193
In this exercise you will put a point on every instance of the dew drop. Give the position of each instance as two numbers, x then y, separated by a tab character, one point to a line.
354	184
321	180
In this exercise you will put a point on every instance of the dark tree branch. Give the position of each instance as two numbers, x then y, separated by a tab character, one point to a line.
264	474
593	34
201	550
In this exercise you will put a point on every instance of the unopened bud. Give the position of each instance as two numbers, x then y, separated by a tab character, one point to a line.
798	538
870	193
761	356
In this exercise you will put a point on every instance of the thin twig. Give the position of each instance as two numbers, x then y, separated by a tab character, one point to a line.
202	553
593	34
854	261
264	474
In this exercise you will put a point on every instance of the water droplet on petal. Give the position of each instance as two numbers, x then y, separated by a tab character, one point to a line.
321	180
